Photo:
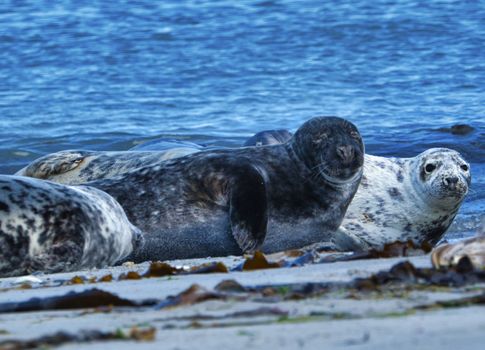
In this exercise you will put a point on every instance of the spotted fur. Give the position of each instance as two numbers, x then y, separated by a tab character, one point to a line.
51	227
399	201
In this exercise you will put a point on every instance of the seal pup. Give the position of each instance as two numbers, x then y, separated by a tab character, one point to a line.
229	201
50	227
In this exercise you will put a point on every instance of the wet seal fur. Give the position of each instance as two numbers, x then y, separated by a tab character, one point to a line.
223	202
50	227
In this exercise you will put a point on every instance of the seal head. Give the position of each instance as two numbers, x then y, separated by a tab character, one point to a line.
443	176
332	146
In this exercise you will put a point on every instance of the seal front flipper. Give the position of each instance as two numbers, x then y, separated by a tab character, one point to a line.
248	209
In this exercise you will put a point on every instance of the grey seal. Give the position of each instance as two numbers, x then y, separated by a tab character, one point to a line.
396	201
402	199
399	199
73	167
229	201
50	227
268	137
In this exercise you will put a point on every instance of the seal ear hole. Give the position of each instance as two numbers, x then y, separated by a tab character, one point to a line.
429	168
464	167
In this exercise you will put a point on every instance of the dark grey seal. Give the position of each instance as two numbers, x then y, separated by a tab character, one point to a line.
52	228
268	137
222	202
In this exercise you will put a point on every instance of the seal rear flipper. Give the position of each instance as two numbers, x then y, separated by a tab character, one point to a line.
249	210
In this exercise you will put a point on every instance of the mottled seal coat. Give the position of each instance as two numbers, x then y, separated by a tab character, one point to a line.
397	200
74	167
51	228
401	199
223	202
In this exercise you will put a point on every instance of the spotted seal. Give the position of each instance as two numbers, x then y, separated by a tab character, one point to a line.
229	201
402	199
50	227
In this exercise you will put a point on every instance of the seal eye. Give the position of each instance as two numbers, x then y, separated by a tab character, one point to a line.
321	138
464	167
354	134
429	168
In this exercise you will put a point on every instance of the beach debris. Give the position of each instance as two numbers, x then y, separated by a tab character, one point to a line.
89	298
106	278
130	275
211	267
192	295
84	336
76	280
256	262
27	279
472	249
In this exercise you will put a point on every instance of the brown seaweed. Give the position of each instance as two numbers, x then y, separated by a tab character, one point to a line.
90	298
61	338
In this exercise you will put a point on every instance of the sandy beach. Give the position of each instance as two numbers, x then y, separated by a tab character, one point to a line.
257	309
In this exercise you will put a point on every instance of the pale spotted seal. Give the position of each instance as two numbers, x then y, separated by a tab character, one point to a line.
402	199
74	167
223	202
50	227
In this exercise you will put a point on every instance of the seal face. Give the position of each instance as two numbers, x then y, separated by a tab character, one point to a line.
50	227
401	199
223	202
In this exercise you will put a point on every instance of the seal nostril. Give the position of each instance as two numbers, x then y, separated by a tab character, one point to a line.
346	153
450	181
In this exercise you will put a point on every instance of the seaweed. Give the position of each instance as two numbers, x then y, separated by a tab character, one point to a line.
90	298
84	336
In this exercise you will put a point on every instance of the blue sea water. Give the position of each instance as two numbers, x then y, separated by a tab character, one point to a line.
106	75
